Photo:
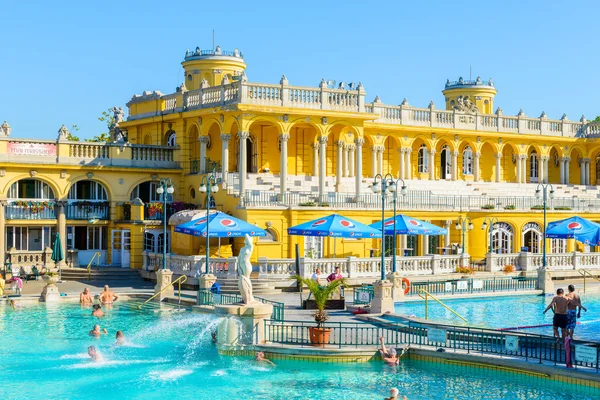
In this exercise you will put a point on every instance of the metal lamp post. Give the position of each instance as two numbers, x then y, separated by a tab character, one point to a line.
165	187
464	224
539	193
491	221
393	187
208	185
382	187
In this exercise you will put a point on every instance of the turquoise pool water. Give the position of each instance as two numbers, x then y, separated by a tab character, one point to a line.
508	312
169	355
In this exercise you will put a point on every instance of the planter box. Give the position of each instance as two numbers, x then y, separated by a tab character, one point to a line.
330	305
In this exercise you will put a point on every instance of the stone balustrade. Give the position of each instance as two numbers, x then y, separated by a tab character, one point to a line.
24	260
534	261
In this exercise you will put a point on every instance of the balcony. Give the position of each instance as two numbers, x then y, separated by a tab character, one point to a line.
154	211
86	210
30	209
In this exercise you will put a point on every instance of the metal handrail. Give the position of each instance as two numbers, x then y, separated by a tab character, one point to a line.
179	281
583	272
89	266
426	298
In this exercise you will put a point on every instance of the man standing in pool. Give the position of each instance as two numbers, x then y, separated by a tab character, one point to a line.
572	312
107	297
559	306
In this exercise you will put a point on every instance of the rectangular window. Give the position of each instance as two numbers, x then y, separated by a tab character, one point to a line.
149	242
35	238
97	238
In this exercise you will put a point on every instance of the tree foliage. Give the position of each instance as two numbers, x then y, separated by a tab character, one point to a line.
321	294
74	128
597	119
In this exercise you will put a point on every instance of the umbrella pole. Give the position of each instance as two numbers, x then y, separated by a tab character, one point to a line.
219	246
298	273
334	248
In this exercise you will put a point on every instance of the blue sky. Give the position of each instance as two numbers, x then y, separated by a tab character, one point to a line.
66	62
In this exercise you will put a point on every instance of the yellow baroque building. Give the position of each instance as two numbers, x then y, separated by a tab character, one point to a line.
287	154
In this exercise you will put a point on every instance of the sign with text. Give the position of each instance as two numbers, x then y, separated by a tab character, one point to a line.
436	335
364	297
478	284
31	149
511	343
462	285
448	286
586	354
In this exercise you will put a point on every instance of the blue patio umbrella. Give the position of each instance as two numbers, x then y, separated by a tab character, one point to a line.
580	229
335	226
219	225
406	225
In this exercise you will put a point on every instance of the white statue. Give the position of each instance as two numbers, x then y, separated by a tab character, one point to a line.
244	271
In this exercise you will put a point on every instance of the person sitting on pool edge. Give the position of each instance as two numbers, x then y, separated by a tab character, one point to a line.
389	357
85	297
107	297
559	305
97	311
260	357
96	332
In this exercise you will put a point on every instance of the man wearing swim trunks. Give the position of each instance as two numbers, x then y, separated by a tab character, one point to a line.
572	313
559	305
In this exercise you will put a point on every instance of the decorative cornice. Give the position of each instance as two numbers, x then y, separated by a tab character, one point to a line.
359	141
243	135
225	137
204	139
284	137
323	140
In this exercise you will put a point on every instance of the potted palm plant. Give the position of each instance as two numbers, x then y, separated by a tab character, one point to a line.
318	334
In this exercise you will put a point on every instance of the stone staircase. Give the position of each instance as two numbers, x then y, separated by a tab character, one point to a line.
105	274
259	286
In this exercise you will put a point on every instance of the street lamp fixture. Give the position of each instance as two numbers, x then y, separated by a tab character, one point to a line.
208	185
387	184
464	225
165	185
542	191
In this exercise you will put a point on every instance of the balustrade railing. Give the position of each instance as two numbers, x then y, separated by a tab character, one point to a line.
152	153
534	261
84	209
100	151
30	209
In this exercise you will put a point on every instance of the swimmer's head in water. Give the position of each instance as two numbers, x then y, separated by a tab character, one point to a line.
96	327
560	291
92	350
571	288
86	290
260	354
119	334
394	392
106	288
96	307
393	352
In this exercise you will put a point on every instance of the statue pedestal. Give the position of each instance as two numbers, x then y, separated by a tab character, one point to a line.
50	293
397	291
545	283
247	329
382	300
163	281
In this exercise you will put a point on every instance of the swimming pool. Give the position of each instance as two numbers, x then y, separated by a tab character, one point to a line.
507	312
169	355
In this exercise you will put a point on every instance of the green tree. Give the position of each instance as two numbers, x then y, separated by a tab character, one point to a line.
103	137
74	128
108	117
597	119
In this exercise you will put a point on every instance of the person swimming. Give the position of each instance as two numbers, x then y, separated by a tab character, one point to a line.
94	354
260	357
96	332
97	311
120	338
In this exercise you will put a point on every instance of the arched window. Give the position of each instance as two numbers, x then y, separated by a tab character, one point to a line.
532	237
467	161
148	139
87	190
502	238
558	245
423	160
30	189
189	77
533	167
271	236
171	139
446	163
146	191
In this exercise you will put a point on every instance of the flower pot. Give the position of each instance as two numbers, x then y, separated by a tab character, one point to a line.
50	279
319	335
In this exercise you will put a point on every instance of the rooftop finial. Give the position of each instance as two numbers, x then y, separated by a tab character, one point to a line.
5	129
63	133
404	102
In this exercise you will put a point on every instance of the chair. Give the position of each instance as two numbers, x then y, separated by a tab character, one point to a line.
33	275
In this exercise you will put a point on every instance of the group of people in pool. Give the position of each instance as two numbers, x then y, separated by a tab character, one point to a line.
567	308
107	297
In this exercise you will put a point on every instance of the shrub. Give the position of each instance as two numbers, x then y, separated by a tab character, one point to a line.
488	207
508	269
464	270
510	207
564	208
307	204
538	207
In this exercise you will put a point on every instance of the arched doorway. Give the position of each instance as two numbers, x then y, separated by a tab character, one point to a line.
533	167
445	163
532	237
502	238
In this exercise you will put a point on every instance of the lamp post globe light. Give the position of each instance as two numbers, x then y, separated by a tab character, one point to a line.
464	225
542	191
491	222
385	185
165	187
208	185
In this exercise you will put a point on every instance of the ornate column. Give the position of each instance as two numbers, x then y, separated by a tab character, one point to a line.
315	163
242	164
3	204
561	162
581	171
225	154
476	167
322	165
62	227
454	165
358	181
380	150
351	170
339	165
498	158
407	168
401	166
431	165
519	169
546	171
523	168
203	143
346	167
541	173
448	226
283	172
373	161
587	171
567	170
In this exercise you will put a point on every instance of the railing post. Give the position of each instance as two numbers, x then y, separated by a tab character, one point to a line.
351	266
263	267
